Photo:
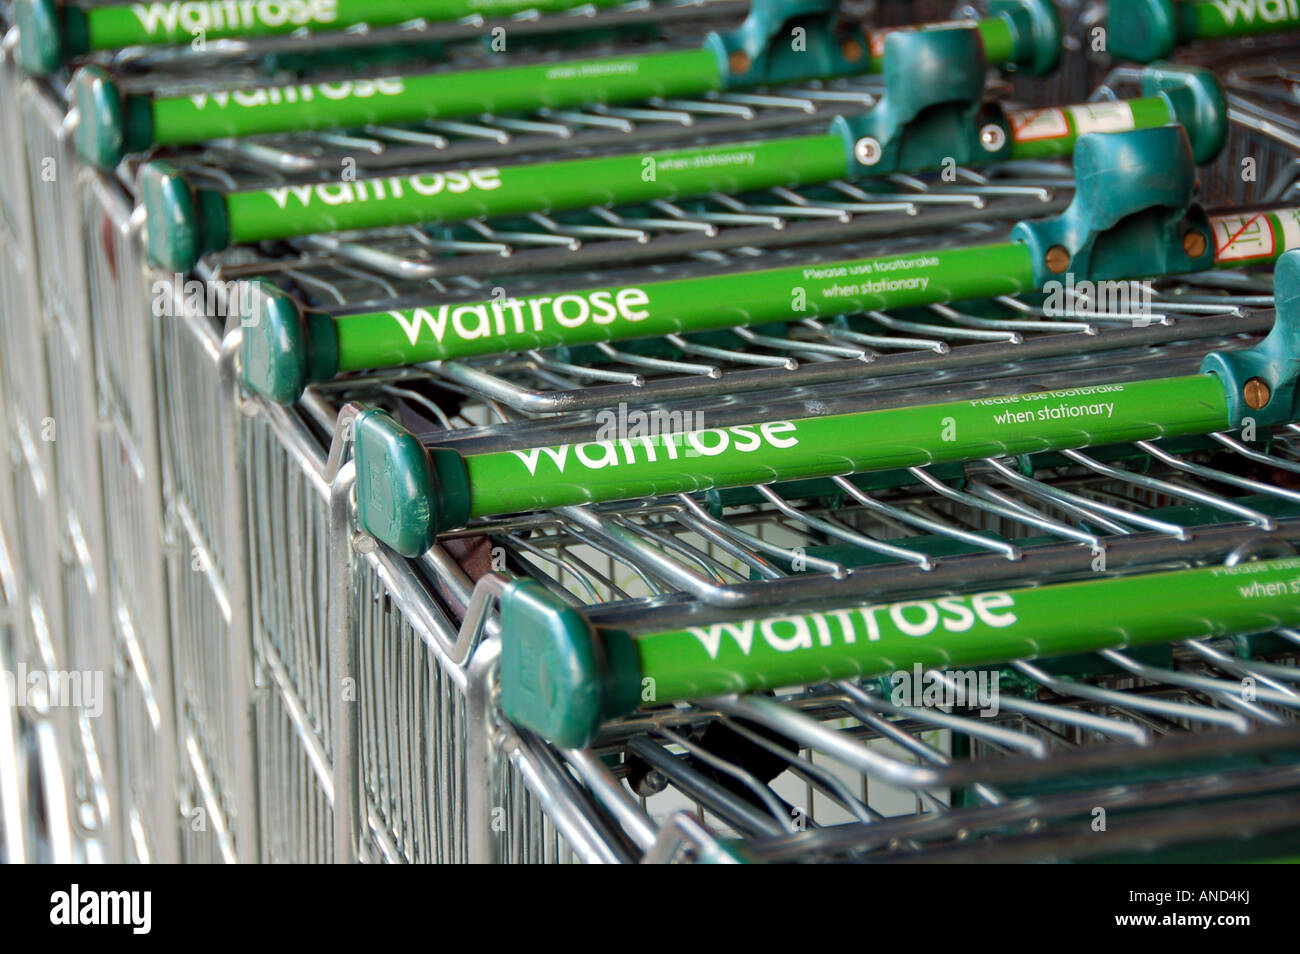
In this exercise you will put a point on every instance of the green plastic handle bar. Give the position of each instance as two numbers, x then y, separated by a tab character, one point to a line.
285	349
1146	30
55	32
929	137
407	494
112	124
562	677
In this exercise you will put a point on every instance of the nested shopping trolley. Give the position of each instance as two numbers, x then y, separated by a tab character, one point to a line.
271	495
289	747
50	384
287	635
110	578
727	567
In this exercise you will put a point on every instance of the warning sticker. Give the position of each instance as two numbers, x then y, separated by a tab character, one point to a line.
1238	237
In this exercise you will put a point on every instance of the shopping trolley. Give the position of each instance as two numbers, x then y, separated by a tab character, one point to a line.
229	639
56	501
693	570
930	116
117	120
60	34
1120	506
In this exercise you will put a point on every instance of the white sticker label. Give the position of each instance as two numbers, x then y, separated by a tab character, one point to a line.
1030	125
1238	237
1102	117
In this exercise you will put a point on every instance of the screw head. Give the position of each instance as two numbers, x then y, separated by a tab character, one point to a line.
1057	259
1194	243
739	62
993	137
867	151
1256	393
851	50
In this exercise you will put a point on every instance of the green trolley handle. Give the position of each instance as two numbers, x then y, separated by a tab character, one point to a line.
1132	216
1020	33
931	114
407	494
53	33
1146	30
561	676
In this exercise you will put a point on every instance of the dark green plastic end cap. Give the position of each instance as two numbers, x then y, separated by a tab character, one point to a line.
1141	30
1131	213
1037	26
283	350
1260	381
101	125
172	225
406	495
552	670
1197	102
40	36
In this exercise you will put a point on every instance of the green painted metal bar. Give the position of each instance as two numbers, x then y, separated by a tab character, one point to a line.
1146	30
434	198
597	471
136	24
1023	32
55	32
411	336
561	677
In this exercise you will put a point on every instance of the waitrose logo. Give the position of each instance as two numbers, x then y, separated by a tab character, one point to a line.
598	455
1248	11
916	618
222	15
517	316
301	93
390	188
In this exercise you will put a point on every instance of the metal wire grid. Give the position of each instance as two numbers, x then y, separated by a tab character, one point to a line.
1264	133
822	775
205	567
54	534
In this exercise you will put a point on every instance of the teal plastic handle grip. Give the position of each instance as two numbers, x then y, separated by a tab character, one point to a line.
932	109
1132	213
1260	382
562	678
